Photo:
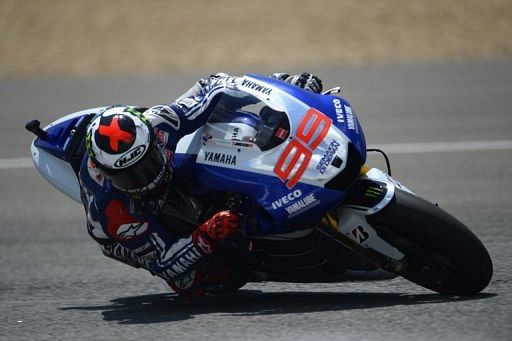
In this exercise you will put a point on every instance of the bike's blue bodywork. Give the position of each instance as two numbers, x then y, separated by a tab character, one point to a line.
301	205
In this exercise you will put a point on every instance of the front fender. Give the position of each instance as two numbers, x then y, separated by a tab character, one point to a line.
372	192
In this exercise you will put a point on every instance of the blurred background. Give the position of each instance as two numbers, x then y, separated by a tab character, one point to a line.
97	37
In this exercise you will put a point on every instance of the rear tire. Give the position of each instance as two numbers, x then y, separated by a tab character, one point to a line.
442	254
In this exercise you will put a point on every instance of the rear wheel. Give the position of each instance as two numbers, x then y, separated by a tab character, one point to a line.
442	254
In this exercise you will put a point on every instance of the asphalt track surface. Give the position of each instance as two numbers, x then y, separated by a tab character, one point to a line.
54	284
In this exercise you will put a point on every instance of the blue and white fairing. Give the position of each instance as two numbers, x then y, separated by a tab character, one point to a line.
295	180
57	157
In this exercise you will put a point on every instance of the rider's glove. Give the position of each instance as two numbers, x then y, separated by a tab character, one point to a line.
198	89
221	225
281	76
219	75
305	80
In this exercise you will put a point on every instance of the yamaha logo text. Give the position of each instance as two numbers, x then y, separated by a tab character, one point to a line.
225	159
256	86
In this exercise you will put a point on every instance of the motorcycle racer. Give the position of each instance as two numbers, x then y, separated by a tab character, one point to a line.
127	185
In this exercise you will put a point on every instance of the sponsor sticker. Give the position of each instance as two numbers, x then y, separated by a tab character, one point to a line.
340	118
285	200
350	118
130	156
225	159
235	132
302	205
256	86
132	230
328	156
360	235
373	192
344	115
242	144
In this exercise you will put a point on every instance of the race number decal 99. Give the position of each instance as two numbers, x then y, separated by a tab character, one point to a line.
310	133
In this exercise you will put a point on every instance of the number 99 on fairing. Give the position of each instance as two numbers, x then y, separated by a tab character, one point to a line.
310	133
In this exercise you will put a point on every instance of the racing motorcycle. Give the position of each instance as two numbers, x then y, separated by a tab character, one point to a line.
296	161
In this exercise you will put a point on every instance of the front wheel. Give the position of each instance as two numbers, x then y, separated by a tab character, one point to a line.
441	253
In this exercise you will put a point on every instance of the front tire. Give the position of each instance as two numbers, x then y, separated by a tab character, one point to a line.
442	254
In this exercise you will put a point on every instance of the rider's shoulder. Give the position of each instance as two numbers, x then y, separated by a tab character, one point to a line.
163	115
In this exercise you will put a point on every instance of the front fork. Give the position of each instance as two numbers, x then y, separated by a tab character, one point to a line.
373	191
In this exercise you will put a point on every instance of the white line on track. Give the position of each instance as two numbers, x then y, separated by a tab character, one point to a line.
16	163
438	147
391	148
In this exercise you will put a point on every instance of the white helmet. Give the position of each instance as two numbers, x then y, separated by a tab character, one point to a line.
121	143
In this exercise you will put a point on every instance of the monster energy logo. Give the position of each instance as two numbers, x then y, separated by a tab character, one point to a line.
373	192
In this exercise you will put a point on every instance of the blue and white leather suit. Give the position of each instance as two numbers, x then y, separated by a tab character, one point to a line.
128	230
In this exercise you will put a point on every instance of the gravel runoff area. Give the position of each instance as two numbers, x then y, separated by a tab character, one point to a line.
75	38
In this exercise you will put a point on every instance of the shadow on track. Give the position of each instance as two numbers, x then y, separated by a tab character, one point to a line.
169	307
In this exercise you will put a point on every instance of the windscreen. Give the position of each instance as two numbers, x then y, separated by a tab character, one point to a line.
272	125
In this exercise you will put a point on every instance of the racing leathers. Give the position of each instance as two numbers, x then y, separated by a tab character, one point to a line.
130	228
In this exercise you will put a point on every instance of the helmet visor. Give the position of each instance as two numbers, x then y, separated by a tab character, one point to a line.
142	177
